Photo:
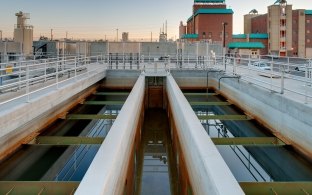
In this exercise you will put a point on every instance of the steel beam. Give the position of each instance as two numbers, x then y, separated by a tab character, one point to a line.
247	141
66	141
223	117
284	188
210	103
89	116
100	103
112	93
200	94
37	187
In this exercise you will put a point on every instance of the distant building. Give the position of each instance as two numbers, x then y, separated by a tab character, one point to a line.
207	22
289	31
125	37
22	44
23	33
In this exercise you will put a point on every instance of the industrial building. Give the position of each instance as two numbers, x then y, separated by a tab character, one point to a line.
288	31
22	44
209	20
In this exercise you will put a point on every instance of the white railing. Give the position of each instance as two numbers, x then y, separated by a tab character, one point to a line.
291	77
29	77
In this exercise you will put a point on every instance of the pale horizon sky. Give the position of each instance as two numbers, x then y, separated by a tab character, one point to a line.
94	19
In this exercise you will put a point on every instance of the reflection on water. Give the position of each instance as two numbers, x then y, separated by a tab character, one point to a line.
252	163
154	165
60	163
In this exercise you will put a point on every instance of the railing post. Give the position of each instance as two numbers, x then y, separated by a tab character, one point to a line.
75	69
88	67
234	65
282	81
271	83
19	74
45	70
27	82
56	76
306	86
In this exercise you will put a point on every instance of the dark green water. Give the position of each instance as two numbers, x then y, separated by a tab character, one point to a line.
156	168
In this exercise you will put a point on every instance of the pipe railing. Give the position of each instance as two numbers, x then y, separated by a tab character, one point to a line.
286	75
28	75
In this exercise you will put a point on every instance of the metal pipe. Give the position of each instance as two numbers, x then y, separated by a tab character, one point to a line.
229	77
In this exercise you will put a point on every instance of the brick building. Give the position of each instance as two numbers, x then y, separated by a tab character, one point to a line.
289	31
207	22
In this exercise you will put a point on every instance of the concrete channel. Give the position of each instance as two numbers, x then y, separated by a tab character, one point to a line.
174	134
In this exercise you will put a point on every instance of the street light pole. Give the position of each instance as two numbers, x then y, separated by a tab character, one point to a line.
117	35
224	48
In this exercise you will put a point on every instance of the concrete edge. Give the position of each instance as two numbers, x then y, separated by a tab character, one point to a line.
208	172
107	172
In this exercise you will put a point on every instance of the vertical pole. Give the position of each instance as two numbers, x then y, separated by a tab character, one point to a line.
271	74
75	68
45	70
282	82
197	43
56	76
27	82
139	55
224	48
306	86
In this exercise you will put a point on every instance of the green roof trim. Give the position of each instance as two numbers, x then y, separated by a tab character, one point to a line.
190	18
239	36
190	36
259	36
209	1
308	12
214	11
251	36
246	45
211	11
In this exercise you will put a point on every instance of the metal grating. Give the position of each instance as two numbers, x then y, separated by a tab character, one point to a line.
253	141
210	103
57	140
283	188
112	93
89	116
200	94
223	117
37	187
104	103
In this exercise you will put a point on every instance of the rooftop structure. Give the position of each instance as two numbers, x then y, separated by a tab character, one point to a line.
206	22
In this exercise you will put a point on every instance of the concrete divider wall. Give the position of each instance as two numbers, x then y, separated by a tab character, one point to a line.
289	119
23	119
207	170
107	172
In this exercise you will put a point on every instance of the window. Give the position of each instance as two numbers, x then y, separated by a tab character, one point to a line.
308	40
209	34
308	21
308	31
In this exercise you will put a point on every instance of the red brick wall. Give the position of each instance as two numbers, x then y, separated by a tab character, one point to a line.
213	23
309	27
259	24
264	42
295	29
198	6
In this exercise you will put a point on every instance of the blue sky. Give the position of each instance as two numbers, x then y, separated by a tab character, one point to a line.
93	19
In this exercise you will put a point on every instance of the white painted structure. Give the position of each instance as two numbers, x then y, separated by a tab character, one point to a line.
23	33
207	170
107	172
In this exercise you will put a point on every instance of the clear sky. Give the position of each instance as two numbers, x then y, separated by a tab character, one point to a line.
93	19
